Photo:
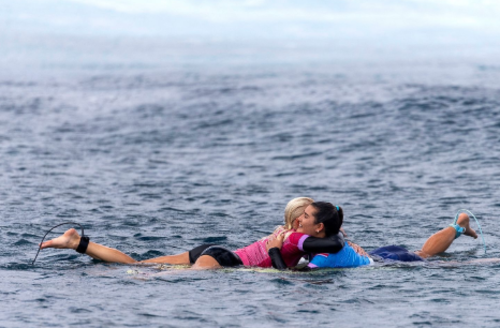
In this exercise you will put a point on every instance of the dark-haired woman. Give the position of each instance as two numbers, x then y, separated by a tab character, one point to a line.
317	232
352	255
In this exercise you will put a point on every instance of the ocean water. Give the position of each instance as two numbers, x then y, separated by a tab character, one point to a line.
154	160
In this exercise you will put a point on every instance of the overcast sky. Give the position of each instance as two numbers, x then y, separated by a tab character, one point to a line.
145	33
400	20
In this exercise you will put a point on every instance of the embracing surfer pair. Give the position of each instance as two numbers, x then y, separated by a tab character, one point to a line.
311	228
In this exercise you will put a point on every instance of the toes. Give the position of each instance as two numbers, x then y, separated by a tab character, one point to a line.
471	233
45	245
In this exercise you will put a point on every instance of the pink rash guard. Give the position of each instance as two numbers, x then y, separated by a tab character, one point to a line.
256	254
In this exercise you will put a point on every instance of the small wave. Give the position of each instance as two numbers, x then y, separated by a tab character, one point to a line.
297	156
214	239
22	242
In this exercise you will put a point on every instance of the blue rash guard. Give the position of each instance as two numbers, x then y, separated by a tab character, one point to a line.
346	258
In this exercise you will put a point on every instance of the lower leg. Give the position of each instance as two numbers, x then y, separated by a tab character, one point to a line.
107	254
441	240
71	239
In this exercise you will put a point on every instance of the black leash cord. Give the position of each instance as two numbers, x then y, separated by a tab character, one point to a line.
40	247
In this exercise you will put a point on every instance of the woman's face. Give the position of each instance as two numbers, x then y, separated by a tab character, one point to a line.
306	222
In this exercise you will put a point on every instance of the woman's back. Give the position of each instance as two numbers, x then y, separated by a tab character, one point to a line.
346	258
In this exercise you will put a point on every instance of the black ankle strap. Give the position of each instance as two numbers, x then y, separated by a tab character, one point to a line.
84	243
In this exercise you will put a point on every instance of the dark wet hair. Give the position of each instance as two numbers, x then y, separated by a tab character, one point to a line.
331	216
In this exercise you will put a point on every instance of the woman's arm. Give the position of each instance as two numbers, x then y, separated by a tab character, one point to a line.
277	259
273	247
332	244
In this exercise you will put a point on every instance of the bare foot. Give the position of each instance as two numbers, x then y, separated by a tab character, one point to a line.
70	240
463	221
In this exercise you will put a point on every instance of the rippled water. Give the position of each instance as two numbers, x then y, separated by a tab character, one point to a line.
156	162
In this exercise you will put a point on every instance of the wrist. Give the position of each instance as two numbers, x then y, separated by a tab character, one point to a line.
273	249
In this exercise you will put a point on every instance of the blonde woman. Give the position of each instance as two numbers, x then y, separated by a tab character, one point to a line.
294	209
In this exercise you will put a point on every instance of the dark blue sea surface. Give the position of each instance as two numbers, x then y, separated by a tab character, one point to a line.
155	161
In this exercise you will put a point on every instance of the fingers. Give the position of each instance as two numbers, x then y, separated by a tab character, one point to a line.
269	245
358	249
343	232
275	241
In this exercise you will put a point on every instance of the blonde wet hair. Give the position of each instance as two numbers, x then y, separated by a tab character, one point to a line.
294	209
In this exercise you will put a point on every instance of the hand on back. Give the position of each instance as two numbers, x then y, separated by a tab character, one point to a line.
276	240
358	249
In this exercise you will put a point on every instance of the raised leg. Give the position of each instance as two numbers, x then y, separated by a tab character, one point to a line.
441	240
